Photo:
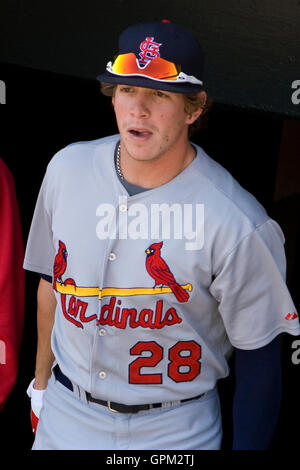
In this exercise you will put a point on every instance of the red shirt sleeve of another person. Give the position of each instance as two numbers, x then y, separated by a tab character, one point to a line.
12	283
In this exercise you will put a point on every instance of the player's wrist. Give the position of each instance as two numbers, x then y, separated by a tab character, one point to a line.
42	375
35	392
40	384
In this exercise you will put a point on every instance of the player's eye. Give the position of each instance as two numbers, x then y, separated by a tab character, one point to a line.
126	89
161	94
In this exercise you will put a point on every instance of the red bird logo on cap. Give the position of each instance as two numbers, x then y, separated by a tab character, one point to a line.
160	271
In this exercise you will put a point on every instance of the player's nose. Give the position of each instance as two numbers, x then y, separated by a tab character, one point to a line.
140	106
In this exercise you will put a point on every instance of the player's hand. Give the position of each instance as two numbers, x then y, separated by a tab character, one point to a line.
36	404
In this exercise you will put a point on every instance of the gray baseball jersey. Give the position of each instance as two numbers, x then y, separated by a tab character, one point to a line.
153	290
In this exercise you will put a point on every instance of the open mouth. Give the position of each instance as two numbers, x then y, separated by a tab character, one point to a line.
140	133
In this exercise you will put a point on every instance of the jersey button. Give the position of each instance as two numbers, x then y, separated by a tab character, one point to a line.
112	256
102	375
123	208
102	332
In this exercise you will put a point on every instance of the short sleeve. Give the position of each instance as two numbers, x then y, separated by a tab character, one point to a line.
250	286
40	252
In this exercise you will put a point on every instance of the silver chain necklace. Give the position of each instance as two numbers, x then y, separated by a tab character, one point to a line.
118	165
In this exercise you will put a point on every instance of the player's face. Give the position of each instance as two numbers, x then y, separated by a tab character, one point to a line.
151	123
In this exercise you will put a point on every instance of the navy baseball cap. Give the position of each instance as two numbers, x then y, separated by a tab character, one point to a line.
146	49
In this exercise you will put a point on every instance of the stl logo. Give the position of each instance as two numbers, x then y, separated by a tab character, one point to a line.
2	92
149	51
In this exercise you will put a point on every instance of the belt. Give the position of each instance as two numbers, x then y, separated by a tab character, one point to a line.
112	406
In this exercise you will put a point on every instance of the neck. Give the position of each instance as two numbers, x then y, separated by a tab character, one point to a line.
155	172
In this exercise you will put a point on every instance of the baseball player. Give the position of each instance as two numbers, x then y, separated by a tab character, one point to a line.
156	265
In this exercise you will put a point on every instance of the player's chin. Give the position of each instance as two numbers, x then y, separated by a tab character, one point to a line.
141	149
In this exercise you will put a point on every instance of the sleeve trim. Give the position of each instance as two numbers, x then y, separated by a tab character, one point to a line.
259	343
37	269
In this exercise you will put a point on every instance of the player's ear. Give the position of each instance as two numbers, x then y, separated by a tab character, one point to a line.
193	116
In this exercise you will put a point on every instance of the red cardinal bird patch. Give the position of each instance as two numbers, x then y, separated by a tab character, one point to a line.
161	273
60	263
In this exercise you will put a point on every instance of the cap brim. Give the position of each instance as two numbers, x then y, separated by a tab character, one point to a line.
148	83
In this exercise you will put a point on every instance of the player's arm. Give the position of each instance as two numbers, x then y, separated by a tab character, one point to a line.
46	305
257	397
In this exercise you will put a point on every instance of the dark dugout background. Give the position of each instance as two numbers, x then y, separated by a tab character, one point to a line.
50	55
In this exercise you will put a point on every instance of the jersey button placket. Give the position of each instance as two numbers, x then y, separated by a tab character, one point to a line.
110	257
123	207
